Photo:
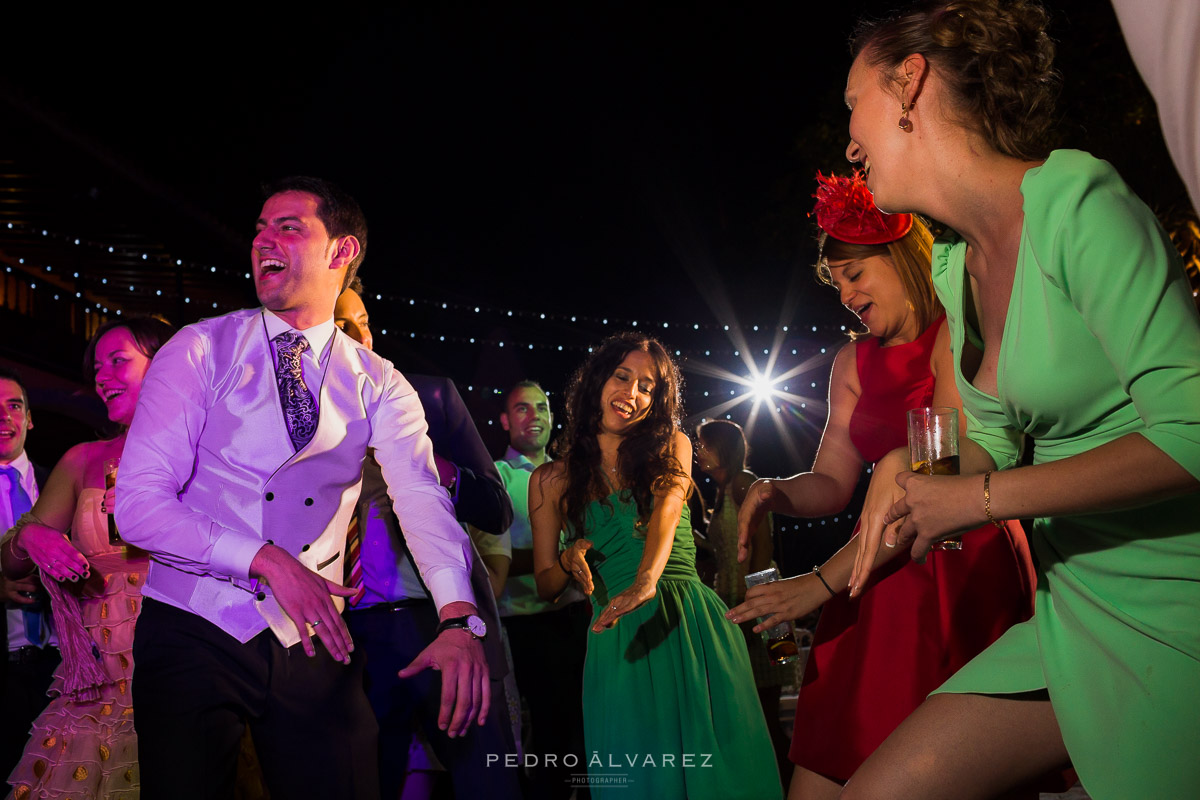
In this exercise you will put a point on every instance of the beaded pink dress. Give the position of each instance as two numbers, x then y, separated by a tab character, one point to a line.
84	745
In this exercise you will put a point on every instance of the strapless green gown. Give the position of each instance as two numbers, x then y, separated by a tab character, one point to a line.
670	708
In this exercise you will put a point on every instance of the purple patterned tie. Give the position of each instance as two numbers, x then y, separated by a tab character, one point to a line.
299	407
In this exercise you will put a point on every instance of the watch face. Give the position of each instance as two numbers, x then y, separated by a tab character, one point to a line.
476	626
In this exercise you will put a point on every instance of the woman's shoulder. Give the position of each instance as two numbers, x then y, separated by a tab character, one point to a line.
77	459
845	364
550	476
1065	182
550	469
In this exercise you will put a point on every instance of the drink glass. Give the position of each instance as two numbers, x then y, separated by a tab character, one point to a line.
110	480
933	450
781	640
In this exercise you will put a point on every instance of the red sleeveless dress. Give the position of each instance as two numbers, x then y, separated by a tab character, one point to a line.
875	659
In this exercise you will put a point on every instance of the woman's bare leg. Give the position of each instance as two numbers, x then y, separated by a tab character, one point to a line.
808	785
963	747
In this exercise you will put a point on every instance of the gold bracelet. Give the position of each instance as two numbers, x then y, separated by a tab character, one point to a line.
987	499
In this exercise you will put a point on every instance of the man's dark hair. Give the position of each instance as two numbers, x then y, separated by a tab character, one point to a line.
525	384
338	212
14	376
149	334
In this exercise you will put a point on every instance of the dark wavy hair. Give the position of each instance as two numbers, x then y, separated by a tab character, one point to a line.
995	58
337	210
644	458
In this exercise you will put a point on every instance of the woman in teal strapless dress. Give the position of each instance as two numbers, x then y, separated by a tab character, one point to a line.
670	709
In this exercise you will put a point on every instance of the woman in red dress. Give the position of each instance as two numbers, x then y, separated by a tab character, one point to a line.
876	655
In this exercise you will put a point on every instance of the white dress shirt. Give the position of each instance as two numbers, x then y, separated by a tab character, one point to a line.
209	474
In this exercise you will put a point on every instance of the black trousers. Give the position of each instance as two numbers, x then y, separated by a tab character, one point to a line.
548	650
476	761
28	674
195	688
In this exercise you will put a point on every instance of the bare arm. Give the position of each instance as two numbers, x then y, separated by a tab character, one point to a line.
1126	473
522	561
495	553
825	490
546	486
497	567
793	598
761	546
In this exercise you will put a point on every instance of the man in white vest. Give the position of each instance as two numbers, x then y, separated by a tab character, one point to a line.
240	476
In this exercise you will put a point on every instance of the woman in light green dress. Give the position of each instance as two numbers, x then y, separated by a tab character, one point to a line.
1071	324
670	709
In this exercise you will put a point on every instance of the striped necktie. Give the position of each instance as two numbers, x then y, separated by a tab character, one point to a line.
353	578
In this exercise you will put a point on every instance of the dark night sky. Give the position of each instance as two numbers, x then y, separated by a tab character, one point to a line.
507	147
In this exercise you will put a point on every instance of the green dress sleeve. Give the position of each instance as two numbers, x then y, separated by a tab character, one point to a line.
1114	263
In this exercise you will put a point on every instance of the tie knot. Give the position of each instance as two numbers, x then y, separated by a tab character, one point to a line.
11	473
291	342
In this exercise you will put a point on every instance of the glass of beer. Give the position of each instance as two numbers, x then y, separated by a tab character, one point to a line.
110	480
781	640
933	450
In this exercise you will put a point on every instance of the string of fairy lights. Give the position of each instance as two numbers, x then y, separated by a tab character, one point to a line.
55	279
157	283
102	295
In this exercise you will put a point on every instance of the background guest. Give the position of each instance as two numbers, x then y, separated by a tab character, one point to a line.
84	741
32	652
875	659
548	638
671	677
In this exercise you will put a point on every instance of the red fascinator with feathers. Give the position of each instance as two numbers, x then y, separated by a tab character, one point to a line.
846	211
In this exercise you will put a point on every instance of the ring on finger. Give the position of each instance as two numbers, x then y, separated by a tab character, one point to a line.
315	623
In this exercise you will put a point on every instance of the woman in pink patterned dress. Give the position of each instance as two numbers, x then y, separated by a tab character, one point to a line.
83	745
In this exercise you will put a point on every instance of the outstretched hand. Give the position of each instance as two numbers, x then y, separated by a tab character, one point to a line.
780	601
633	598
876	526
935	507
761	498
466	682
574	561
52	551
307	599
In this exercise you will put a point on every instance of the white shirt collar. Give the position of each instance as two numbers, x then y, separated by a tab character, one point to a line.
517	459
318	335
22	464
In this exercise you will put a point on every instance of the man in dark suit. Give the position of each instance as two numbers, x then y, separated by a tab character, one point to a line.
395	619
31	655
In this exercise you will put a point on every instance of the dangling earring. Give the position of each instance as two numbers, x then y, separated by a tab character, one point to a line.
905	124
